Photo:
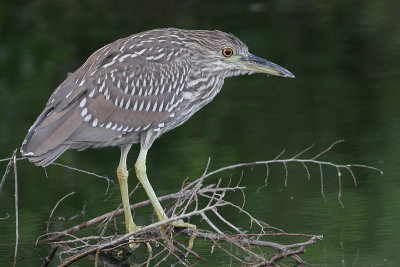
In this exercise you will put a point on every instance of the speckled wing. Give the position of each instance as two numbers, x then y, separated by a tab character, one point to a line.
122	90
131	98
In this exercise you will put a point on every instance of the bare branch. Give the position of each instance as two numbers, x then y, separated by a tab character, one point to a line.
7	169
352	175
89	173
340	188
307	171
280	154
304	151
5	218
328	149
52	211
198	199
286	173
12	158
16	207
322	181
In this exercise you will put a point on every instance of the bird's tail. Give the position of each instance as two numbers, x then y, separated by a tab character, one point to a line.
45	140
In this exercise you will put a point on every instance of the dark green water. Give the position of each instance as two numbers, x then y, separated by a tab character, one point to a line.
345	55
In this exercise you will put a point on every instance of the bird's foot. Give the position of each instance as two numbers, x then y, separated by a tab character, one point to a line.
181	224
132	227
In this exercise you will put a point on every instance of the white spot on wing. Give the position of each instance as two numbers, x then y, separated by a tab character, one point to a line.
141	106
123	57
92	93
83	102
102	86
84	112
159	56
88	117
148	106
155	106
140	52
108	64
127	103
94	124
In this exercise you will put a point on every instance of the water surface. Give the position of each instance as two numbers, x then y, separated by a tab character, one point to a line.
345	57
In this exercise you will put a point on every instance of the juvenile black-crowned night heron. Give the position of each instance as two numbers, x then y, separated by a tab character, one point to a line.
134	90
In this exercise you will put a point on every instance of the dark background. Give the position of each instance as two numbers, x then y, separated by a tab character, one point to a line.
345	55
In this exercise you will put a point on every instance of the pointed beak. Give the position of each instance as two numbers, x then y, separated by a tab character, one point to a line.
256	64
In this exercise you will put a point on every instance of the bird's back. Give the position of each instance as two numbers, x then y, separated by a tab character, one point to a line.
135	85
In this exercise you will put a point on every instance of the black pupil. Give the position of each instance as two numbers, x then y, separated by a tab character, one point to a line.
228	52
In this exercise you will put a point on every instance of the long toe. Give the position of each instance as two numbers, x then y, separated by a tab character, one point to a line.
181	224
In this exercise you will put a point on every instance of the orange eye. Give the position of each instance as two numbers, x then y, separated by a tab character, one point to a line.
227	52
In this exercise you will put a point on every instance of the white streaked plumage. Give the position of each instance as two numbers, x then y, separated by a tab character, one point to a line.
83	102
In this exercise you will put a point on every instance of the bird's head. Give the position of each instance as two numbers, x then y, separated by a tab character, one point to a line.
223	52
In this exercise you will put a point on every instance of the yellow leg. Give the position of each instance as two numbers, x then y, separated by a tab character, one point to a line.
122	174
141	174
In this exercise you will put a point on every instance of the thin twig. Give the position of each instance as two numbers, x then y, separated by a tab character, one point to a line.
322	181
86	172
118	212
307	171
50	256
12	158
329	148
16	208
5	218
304	151
7	169
340	189
52	211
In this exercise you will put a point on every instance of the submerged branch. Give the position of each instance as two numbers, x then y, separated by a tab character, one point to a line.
196	199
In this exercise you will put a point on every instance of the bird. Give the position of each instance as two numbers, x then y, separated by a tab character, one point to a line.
133	90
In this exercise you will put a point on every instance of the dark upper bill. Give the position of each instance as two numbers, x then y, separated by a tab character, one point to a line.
260	65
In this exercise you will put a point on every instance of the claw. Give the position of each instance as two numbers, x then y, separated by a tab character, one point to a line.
181	224
132	244
131	227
